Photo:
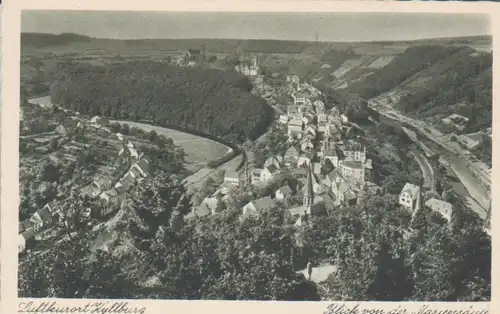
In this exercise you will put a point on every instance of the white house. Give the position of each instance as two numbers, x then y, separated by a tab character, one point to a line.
471	141
322	118
344	119
283	119
268	173
232	178
442	207
320	106
353	170
303	160
291	156
255	207
355	151
410	197
300	98
255	176
275	160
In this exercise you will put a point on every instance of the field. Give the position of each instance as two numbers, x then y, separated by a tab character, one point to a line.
199	151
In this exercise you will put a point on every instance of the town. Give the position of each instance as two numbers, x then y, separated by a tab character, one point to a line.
255	169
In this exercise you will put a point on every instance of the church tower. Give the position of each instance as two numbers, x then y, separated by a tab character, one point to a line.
308	191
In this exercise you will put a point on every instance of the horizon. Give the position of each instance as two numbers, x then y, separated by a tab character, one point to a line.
321	27
253	39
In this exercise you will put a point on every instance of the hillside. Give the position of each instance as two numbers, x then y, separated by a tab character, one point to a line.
75	42
206	100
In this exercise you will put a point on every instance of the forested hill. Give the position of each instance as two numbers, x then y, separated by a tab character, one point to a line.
212	101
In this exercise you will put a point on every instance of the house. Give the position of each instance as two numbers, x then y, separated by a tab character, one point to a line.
442	207
295	79
320	106
370	188
125	183
268	173
294	126
368	164
293	113
95	120
283	192
316	168
198	212
353	170
299	173
232	178
346	193
331	155
283	119
312	205
303	160
457	121
111	201
275	160
42	219
328	143
255	175
321	129
410	197
212	203
344	119
308	119
300	98
195	55
306	145
256	206
354	151
142	167
311	131
333	131
471	141
333	177
96	187
291	156
322	118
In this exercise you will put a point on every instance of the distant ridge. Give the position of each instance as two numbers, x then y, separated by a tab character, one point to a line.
78	37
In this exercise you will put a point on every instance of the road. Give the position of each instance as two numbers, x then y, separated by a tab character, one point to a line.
459	163
427	171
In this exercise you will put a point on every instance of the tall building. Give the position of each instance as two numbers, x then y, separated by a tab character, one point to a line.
308	200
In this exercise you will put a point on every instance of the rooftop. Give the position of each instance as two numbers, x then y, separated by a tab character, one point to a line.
353	164
412	189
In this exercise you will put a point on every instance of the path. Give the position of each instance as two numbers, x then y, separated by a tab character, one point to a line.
321	273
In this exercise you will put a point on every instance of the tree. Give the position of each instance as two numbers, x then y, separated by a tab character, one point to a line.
152	136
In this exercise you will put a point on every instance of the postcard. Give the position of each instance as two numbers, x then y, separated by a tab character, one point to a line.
337	153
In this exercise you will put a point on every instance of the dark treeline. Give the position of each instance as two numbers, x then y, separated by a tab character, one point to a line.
413	60
211	101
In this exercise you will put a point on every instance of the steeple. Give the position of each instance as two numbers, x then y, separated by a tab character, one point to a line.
308	191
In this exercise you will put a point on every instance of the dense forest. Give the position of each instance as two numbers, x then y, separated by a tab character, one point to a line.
156	254
212	101
462	78
413	60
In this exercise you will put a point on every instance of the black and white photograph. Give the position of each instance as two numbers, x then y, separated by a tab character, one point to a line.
272	156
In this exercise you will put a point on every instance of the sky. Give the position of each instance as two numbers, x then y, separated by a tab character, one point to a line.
281	26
